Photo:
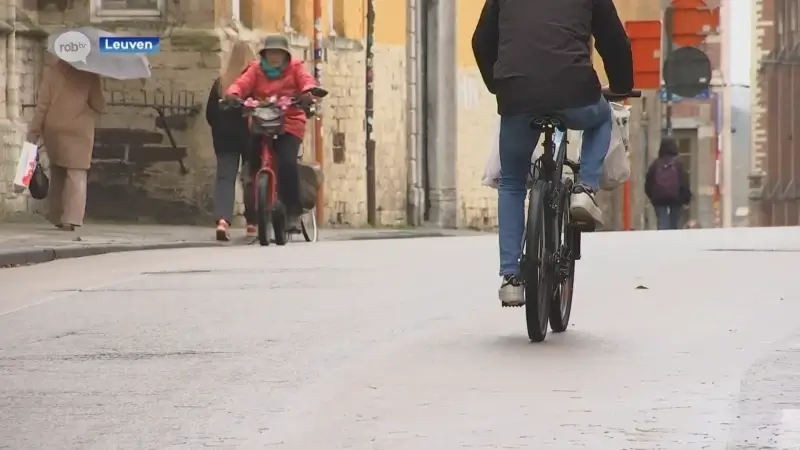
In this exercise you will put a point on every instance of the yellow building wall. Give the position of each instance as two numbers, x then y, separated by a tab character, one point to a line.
349	18
468	13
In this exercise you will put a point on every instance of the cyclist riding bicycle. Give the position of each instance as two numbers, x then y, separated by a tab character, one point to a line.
277	73
535	57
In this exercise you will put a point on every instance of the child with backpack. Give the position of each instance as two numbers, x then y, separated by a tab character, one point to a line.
667	186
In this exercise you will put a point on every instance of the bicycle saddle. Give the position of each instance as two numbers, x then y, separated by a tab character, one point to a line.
541	122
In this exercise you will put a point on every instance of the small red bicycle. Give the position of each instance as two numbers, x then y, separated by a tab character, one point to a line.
266	119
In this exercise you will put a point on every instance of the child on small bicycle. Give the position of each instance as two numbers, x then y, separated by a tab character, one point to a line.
276	72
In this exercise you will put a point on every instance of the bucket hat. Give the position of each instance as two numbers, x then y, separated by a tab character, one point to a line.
275	42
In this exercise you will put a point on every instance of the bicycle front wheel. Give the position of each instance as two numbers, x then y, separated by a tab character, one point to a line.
536	266
264	206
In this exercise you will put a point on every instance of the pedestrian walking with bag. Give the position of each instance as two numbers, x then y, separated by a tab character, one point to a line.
667	186
69	104
232	145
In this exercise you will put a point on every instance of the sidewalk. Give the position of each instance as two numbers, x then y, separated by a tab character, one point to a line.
38	242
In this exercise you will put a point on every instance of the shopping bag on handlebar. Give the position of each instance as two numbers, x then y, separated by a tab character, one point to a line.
617	166
311	178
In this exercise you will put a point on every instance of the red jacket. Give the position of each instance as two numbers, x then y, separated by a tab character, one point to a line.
293	81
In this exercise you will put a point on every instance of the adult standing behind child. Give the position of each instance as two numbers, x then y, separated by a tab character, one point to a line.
232	144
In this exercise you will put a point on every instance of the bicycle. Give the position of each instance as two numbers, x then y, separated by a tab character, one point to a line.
266	119
551	241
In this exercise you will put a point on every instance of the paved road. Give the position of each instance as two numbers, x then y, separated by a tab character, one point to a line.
396	345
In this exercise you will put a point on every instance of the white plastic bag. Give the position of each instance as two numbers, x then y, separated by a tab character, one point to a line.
617	166
491	171
26	165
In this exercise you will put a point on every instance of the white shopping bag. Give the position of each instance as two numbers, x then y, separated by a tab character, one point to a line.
491	171
26	165
616	166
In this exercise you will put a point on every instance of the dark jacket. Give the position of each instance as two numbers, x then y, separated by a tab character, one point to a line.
535	55
228	128
668	151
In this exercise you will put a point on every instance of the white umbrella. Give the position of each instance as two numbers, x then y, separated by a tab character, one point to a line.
120	66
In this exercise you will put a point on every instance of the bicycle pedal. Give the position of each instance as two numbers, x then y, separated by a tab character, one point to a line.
515	305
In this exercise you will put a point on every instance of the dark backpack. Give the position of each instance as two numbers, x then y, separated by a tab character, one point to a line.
667	180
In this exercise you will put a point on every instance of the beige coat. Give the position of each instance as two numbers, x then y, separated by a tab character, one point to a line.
70	102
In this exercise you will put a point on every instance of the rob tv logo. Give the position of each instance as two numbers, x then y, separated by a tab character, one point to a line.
129	44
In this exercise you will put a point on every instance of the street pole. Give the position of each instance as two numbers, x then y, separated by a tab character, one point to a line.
442	102
319	147
668	46
727	156
645	130
369	113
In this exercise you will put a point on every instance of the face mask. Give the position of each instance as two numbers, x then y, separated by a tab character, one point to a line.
270	71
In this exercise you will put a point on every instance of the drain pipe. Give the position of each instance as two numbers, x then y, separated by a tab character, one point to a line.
12	87
369	116
414	117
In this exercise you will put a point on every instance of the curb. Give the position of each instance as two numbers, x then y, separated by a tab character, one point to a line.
396	235
47	254
21	257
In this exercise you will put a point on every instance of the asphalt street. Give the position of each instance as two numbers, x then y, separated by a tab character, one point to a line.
680	340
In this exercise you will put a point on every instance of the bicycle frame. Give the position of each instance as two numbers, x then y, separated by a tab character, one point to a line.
268	167
267	153
552	162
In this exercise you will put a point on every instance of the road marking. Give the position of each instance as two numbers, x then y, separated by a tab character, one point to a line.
789	433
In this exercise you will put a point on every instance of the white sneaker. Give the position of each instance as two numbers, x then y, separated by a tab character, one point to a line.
511	292
583	207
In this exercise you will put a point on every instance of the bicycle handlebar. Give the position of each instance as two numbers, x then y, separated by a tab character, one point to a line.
296	101
230	103
611	96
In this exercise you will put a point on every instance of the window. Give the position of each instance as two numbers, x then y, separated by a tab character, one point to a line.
332	9
785	21
236	11
781	26
116	9
288	18
794	31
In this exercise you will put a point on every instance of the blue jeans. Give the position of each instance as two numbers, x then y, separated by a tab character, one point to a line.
668	217
517	143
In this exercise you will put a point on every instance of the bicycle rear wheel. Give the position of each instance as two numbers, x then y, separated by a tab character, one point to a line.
564	272
308	225
264	206
536	264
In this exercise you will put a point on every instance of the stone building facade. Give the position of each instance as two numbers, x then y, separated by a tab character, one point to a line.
140	174
148	172
775	165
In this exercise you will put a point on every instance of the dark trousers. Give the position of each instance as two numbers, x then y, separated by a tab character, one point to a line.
225	187
668	217
286	151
